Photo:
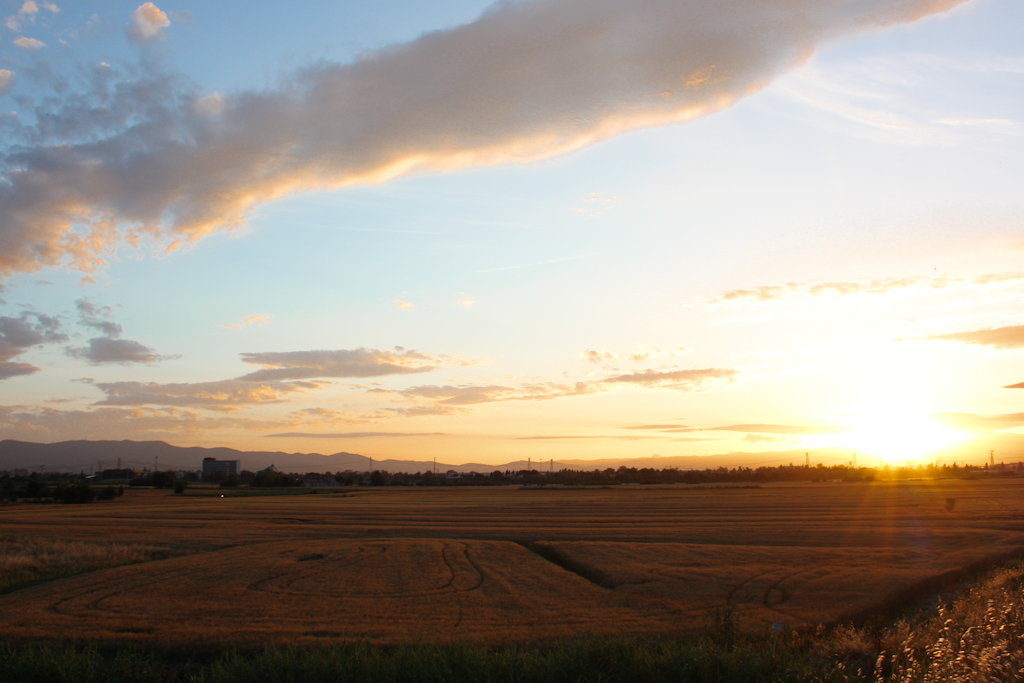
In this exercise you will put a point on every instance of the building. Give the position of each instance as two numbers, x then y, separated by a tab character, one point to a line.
217	469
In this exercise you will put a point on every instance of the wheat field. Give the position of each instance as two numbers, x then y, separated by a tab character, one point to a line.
504	565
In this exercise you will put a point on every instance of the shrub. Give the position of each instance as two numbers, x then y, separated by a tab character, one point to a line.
164	480
74	495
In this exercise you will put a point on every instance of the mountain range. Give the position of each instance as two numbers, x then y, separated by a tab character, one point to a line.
92	456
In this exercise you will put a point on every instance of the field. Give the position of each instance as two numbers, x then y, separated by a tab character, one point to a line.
501	565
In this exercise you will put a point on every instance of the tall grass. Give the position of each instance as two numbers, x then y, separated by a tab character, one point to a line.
24	561
980	637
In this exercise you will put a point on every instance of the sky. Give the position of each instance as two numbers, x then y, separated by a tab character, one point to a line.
539	228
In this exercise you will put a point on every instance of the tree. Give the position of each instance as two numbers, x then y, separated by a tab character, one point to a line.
164	480
378	478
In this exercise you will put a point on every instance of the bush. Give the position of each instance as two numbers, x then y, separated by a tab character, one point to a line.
110	493
179	488
230	481
74	495
164	480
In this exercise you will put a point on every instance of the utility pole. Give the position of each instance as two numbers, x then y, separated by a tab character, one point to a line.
992	458
552	468
807	461
156	464
529	464
435	465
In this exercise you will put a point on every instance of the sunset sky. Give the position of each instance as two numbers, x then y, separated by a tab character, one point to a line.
569	229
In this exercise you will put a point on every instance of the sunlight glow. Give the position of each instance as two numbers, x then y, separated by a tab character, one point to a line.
895	433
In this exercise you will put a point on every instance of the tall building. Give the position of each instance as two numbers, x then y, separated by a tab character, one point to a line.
215	469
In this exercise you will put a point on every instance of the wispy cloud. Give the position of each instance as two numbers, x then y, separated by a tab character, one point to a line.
639	354
464	395
225	395
687	380
146	158
17	335
804	290
352	435
110	348
404	305
789	430
1004	338
257	320
361	362
6	80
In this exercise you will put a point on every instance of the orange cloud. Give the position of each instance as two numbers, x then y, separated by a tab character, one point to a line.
185	170
803	290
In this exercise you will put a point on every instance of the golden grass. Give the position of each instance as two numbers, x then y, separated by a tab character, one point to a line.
25	560
799	586
400	590
432	565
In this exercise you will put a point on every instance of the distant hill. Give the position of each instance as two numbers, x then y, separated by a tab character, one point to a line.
89	456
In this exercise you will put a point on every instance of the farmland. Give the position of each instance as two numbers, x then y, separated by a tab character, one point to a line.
503	565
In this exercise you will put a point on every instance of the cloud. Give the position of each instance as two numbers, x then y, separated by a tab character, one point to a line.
35	423
97	318
8	370
1000	337
404	305
467	302
664	428
790	430
109	348
104	350
687	380
29	43
27	13
595	356
6	80
980	424
261	319
51	7
147	24
643	352
761	438
803	290
17	335
143	160
359	362
225	395
639	354
351	435
464	395
1015	386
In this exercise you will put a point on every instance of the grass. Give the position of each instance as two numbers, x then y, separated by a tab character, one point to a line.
28	561
505	566
974	639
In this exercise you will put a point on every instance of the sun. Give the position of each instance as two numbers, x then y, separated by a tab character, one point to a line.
898	433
